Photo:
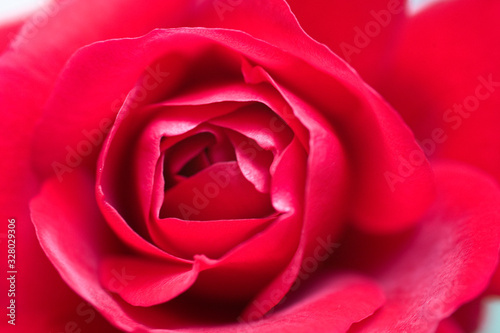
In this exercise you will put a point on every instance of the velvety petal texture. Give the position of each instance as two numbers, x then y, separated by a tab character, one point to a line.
442	76
444	79
359	31
447	260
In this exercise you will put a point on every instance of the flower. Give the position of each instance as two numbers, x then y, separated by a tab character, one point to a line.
210	167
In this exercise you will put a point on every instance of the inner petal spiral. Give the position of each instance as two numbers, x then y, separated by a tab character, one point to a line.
208	176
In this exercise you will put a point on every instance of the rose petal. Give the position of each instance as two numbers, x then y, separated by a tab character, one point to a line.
189	238
494	287
21	94
69	25
143	282
266	128
254	162
432	93
62	309
448	326
183	153
359	31
209	197
75	237
470	316
444	80
332	306
448	261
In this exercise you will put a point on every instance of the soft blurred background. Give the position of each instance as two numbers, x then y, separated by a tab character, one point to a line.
11	10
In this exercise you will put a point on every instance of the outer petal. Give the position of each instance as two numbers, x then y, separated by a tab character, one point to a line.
76	239
73	237
69	25
146	282
41	49
19	101
359	31
444	79
448	260
44	302
495	283
448	326
470	316
332	305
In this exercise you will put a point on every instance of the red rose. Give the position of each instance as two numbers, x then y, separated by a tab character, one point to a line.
208	166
